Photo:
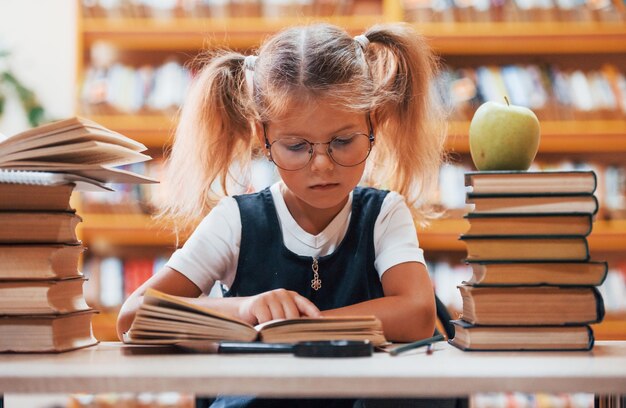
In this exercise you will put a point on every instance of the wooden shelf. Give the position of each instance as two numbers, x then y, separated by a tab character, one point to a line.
580	136
442	235
455	38
608	136
125	230
178	34
152	130
508	38
613	327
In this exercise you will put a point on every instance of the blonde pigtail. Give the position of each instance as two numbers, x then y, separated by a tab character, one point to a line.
409	119
214	130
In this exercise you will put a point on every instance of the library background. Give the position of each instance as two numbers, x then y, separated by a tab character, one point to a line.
564	59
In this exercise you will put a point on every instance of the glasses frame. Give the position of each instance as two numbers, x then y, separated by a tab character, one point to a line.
312	145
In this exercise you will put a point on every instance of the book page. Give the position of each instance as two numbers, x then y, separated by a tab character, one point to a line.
90	152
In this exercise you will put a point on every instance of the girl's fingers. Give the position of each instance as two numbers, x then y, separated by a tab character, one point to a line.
289	306
275	305
262	312
306	307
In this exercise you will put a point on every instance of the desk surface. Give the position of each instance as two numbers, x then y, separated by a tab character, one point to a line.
447	372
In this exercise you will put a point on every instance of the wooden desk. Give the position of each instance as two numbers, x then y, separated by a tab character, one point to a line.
447	372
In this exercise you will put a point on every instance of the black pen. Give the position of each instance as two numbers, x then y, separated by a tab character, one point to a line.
417	344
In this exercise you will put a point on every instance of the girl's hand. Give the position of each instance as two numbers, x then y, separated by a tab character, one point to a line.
276	304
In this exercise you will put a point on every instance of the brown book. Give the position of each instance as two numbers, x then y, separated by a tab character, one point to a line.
28	197
166	319
471	337
529	224
39	262
531	182
538	273
528	248
74	146
42	297
527	305
533	204
38	227
45	334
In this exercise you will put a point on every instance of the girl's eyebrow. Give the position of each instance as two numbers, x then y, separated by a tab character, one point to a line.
334	132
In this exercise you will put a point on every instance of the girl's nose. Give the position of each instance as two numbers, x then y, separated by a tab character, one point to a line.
321	160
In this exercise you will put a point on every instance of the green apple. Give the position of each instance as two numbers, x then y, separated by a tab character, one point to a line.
503	137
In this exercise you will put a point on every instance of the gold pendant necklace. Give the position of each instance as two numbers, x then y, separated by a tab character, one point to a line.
316	283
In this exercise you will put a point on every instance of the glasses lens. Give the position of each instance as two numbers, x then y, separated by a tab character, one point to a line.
350	150
291	153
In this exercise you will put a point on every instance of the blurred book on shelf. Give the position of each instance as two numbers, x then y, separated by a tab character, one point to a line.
165	9
552	91
513	10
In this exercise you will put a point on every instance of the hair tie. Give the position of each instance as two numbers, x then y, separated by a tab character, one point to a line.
362	41
249	62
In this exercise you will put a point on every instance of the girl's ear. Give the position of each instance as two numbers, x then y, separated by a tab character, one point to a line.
374	121
258	131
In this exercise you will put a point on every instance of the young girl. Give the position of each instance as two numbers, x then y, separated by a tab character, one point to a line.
329	111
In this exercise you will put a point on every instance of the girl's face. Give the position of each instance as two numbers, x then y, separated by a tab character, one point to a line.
321	184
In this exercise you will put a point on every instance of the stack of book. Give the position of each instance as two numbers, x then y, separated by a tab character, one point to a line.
533	285
42	305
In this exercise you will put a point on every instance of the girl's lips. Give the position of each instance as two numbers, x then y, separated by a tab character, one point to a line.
324	186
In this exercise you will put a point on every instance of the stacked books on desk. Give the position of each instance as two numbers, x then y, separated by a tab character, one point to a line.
42	306
533	285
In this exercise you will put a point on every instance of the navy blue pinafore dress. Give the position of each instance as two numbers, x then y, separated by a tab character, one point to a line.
347	275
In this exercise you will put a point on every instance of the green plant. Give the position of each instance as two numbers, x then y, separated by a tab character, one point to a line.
27	97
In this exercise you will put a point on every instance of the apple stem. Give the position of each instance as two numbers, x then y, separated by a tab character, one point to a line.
507	101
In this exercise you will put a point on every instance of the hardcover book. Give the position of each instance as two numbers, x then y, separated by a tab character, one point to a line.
526	248
42	297
472	337
529	224
519	305
38	227
531	182
512	273
48	333
533	204
166	319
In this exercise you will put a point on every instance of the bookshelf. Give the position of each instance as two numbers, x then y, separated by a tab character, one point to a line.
146	40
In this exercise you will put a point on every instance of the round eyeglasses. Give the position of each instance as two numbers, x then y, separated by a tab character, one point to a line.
294	153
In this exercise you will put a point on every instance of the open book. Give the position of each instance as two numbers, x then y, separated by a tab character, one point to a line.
166	319
79	148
